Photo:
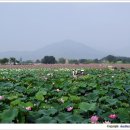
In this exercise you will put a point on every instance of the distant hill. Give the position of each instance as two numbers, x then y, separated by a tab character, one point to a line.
67	49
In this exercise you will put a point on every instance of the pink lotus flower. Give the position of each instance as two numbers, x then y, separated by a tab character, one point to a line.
69	109
28	108
107	122
94	119
112	116
1	97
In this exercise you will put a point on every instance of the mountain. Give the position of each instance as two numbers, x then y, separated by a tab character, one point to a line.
67	49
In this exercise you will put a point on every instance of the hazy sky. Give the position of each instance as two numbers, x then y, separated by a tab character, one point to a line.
29	26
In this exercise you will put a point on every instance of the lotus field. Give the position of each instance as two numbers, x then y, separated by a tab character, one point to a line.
46	95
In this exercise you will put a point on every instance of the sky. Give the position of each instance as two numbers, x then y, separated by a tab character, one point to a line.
30	26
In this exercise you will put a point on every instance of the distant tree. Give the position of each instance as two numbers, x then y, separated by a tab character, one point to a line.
96	61
73	61
83	61
62	60
4	61
17	61
48	60
37	61
27	62
125	59
20	60
110	58
12	60
115	59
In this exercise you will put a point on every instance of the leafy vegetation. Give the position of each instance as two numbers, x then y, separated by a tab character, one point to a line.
55	96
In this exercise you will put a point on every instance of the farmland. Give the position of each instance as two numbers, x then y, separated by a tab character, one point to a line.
37	94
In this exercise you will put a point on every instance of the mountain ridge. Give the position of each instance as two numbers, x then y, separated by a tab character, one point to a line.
67	48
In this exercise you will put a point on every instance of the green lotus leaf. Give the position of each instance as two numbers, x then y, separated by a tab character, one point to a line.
45	119
8	116
124	114
87	106
39	96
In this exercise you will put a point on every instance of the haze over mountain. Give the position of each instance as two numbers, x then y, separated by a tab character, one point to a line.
26	27
68	49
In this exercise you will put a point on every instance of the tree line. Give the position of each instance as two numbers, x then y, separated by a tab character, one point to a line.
11	60
53	60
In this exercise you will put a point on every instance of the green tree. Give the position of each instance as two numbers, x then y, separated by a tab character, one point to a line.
37	61
13	60
48	60
110	58
4	61
96	61
62	60
83	61
73	61
27	62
